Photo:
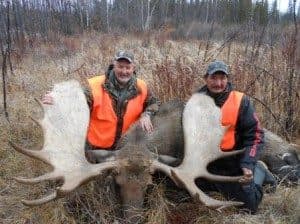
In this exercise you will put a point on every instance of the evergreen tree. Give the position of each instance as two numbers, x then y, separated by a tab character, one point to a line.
261	12
274	15
244	10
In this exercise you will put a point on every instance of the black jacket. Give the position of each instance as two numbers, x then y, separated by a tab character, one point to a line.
249	135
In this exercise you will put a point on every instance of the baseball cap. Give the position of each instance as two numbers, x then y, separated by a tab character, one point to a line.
217	66
124	55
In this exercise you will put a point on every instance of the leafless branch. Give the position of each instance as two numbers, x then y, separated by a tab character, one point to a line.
286	134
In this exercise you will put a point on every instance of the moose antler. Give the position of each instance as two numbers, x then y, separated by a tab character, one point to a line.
202	136
64	126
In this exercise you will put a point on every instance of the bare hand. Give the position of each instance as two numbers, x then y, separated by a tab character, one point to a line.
145	123
247	177
48	99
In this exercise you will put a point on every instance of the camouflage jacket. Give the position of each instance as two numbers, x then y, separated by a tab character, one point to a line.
120	98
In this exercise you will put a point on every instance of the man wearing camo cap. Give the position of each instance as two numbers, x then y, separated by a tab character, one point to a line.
244	132
116	100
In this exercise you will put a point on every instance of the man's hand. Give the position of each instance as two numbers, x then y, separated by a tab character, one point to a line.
48	99
247	177
145	123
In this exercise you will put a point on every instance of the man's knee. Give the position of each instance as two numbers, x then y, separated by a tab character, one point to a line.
252	196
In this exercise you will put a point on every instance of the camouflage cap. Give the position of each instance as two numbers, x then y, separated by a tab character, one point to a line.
124	55
217	66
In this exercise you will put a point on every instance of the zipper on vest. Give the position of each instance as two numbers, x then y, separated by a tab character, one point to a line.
120	121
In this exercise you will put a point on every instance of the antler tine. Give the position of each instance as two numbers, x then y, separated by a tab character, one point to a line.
214	203
189	184
47	176
232	153
168	170
221	154
40	201
81	176
220	178
38	154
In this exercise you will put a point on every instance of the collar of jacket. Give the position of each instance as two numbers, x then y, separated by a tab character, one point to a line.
112	86
219	98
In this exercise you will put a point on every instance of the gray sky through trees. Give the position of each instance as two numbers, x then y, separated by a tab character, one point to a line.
282	4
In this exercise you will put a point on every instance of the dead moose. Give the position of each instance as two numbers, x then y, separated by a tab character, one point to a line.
176	128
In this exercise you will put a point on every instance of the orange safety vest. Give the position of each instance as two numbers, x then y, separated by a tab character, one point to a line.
103	120
230	113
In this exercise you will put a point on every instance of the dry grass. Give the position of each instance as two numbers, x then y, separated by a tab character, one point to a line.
173	69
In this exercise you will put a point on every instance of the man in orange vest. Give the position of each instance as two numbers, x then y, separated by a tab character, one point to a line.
116	100
244	132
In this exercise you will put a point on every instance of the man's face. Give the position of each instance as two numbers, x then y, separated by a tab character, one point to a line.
217	82
123	70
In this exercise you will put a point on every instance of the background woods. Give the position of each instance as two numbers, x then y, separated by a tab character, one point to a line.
31	19
270	37
46	41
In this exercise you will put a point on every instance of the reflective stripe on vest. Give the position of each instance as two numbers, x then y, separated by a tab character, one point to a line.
230	113
103	119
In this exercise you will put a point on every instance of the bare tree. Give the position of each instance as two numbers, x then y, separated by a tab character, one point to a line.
5	45
150	10
291	70
108	5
